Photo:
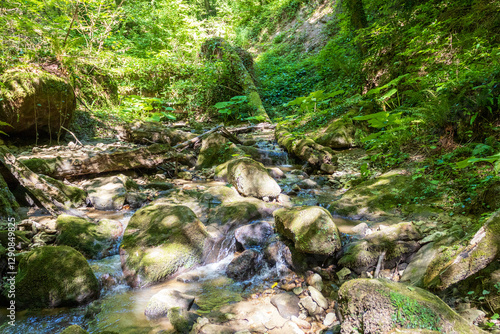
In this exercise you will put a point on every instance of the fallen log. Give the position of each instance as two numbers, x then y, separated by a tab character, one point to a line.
39	188
152	132
96	163
306	149
181	146
246	129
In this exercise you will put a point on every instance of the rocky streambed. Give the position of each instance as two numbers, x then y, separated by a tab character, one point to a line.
241	240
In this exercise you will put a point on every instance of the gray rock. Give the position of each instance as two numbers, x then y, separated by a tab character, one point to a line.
107	193
251	178
160	304
310	305
307	184
276	173
287	304
318	297
361	229
316	281
256	234
330	319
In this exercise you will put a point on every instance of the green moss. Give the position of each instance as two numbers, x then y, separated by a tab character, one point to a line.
54	276
90	239
74	195
162	238
74	329
42	166
8	203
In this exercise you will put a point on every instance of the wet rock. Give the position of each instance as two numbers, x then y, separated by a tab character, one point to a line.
287	304
278	252
107	193
457	262
54	276
35	101
378	306
181	319
93	240
244	266
256	234
251	178
159	305
311	229
215	150
160	240
107	281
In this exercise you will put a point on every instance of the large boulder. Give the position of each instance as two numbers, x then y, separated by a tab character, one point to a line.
33	101
381	306
251	178
216	149
54	276
339	134
160	240
93	240
107	193
457	262
254	235
311	228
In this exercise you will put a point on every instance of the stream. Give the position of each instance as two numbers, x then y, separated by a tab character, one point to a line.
121	309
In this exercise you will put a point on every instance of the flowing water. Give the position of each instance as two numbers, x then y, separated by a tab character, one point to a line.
121	309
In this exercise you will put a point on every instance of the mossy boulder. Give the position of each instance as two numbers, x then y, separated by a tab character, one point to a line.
311	228
54	276
33	101
216	149
251	178
339	134
93	240
398	242
457	262
160	240
382	306
8	204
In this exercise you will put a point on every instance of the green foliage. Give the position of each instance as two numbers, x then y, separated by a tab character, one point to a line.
313	100
230	109
4	124
135	107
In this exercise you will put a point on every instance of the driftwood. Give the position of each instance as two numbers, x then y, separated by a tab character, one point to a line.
39	188
88	163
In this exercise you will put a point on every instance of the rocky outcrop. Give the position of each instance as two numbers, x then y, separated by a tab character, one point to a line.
312	229
396	242
33	101
215	150
457	262
160	240
381	306
306	149
251	178
53	277
93	240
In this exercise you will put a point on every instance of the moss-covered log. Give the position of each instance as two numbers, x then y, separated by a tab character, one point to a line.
306	149
153	132
88	163
219	48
